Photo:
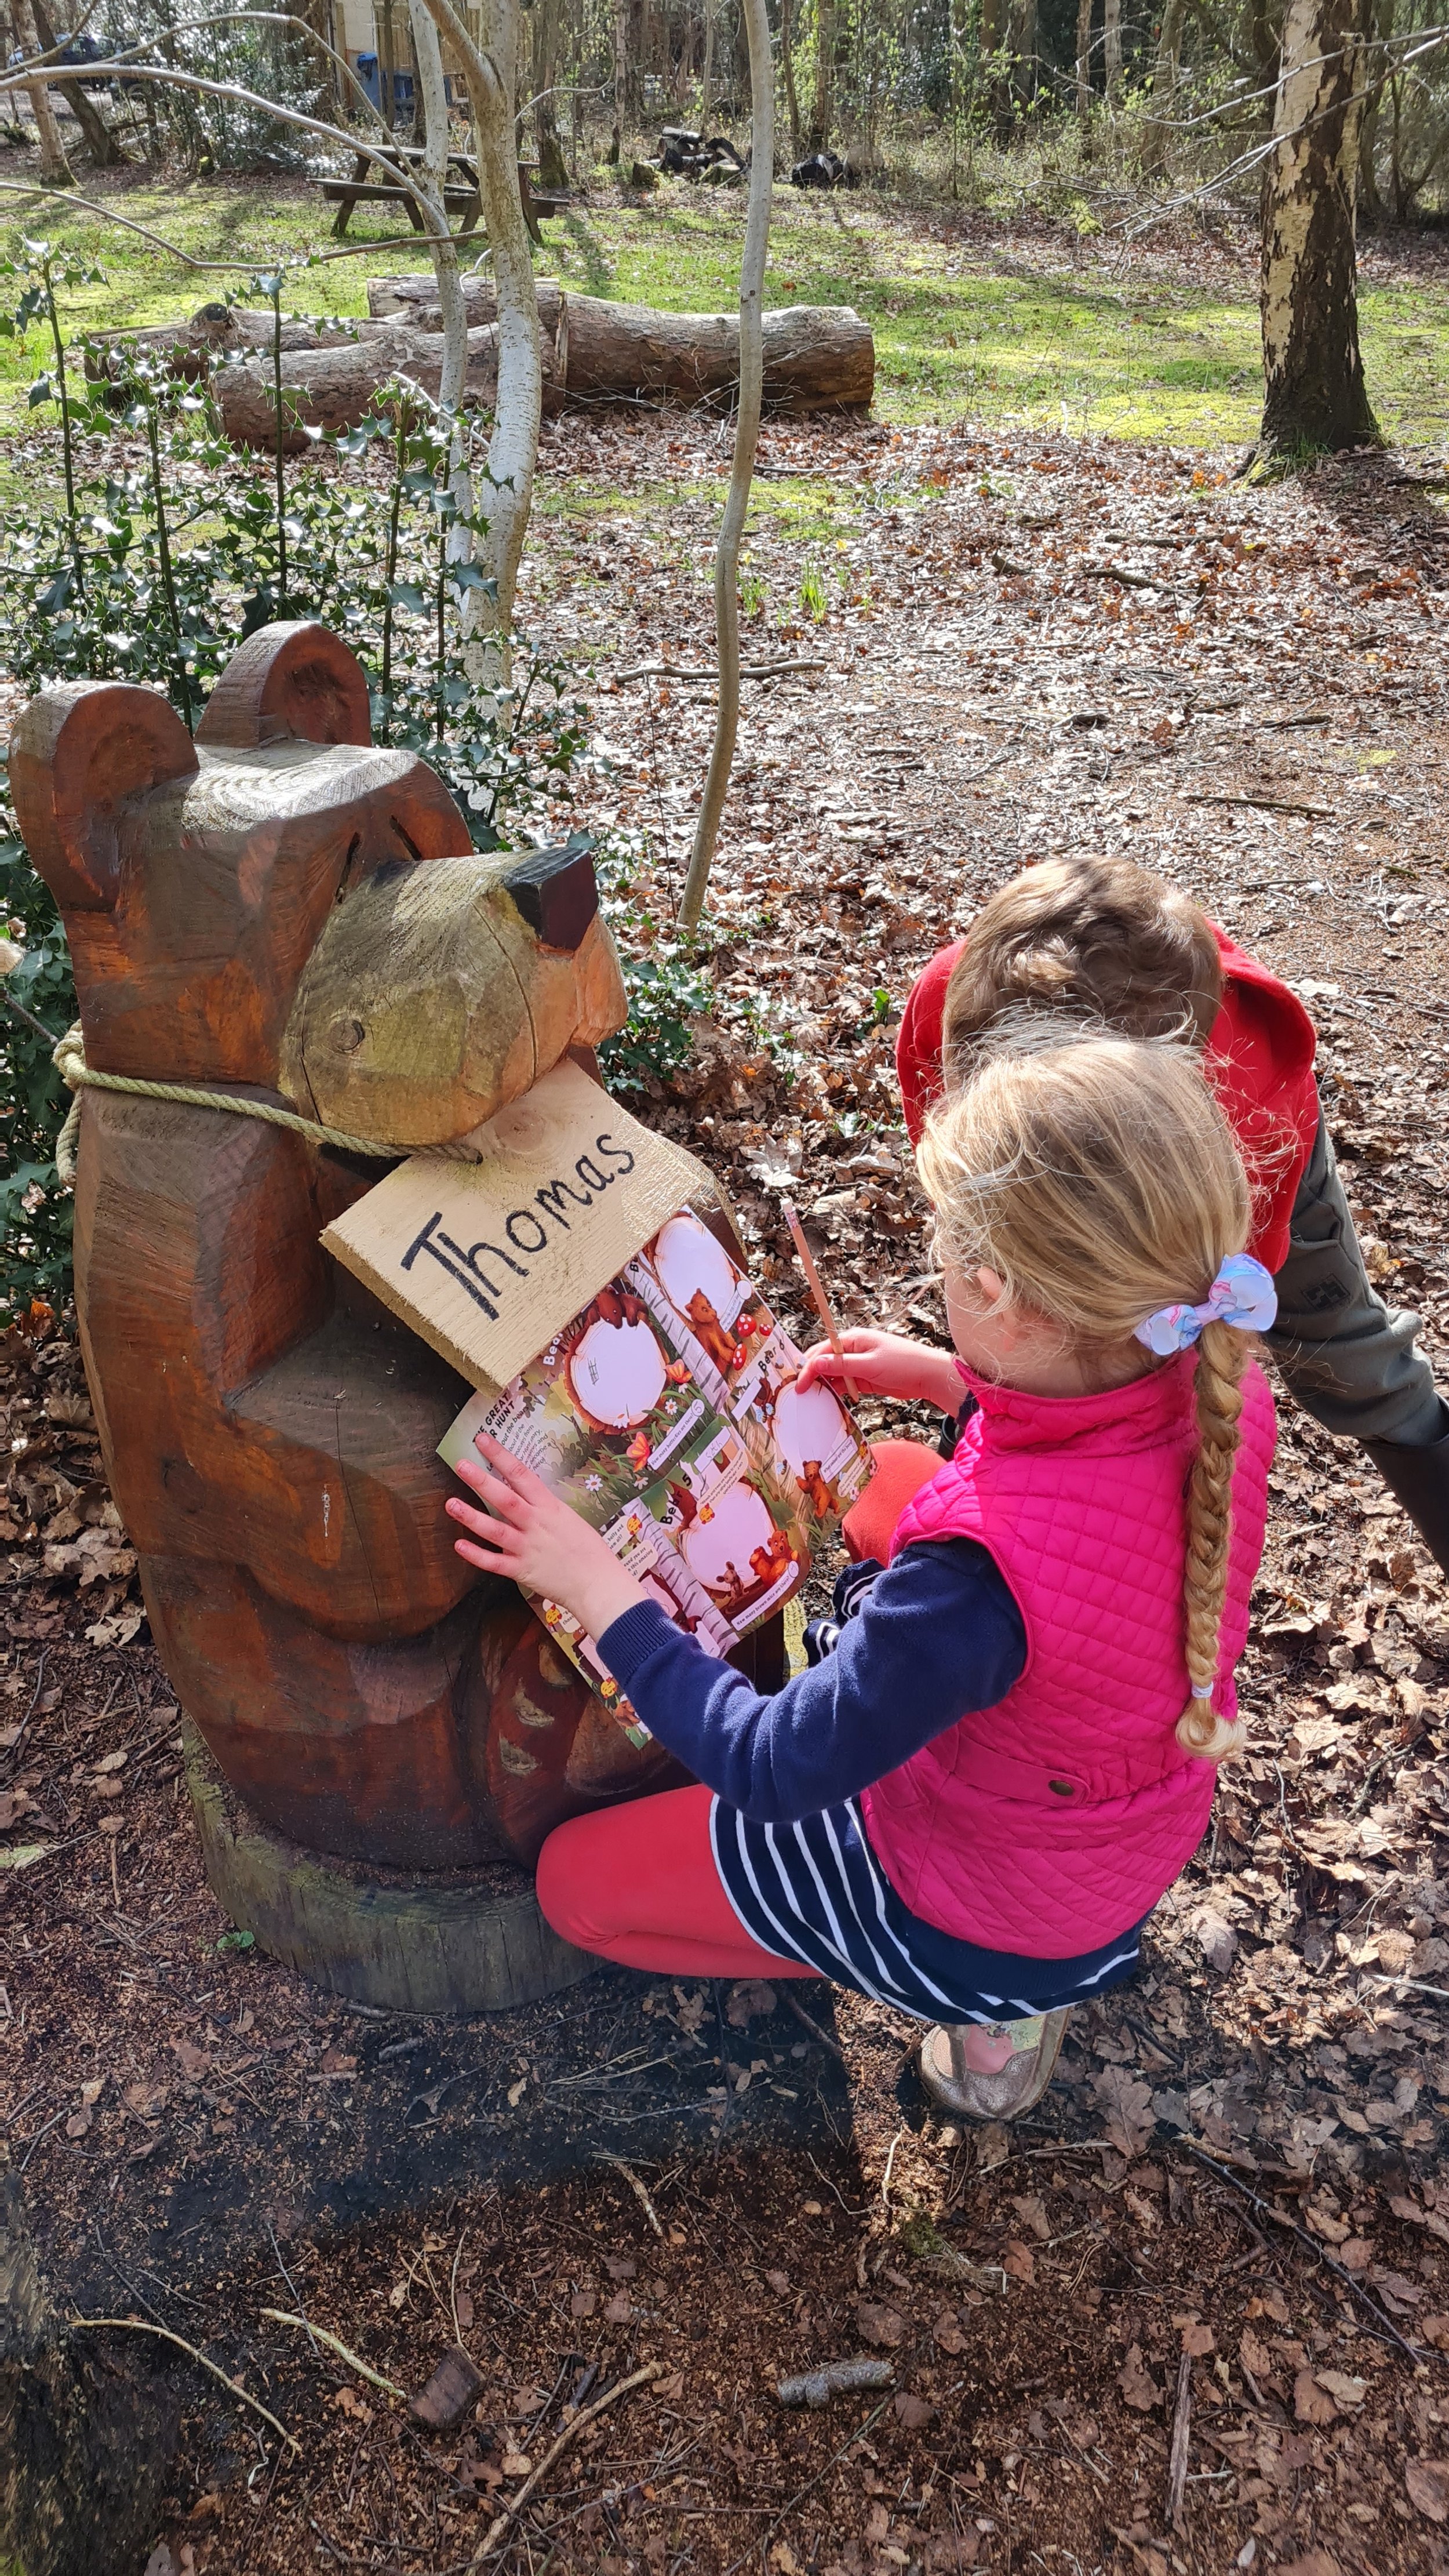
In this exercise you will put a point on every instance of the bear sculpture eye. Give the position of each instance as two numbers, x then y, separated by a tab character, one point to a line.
347	1036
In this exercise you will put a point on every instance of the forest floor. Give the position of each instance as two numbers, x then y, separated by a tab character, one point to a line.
1229	2216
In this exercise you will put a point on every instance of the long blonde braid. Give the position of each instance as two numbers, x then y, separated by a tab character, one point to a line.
1222	1355
1098	1178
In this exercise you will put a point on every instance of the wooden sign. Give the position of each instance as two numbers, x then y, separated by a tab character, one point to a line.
489	1260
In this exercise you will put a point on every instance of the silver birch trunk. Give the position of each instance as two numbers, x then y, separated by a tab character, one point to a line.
488	67
1314	396
747	435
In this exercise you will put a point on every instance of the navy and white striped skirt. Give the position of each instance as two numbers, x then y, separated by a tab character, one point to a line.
814	1891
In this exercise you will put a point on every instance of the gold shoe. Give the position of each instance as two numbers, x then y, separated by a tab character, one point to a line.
1005	2091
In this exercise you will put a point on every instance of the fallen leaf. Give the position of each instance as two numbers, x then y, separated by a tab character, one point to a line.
583	2303
1216	1939
349	2403
1127	2109
1198	2339
1314	2562
1031	2209
516	2464
884	2326
947	2333
750	1999
912	2411
617	2311
1345	2391
1018	2260
193	2062
620	2267
1312	2404
1136	2382
465	2310
1428	2485
779	2282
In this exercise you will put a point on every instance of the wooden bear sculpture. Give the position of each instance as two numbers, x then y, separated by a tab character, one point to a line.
282	912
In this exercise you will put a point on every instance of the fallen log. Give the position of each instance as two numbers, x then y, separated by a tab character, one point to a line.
330	389
818	357
215	331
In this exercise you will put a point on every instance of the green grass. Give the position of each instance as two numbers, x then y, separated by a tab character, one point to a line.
1047	344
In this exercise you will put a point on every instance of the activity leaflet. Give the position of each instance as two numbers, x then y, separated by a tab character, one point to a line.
667	1414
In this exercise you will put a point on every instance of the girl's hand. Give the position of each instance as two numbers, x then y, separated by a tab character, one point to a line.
530	1535
886	1364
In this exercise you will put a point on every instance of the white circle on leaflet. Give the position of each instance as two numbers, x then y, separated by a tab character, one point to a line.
689	1262
740	1523
807	1426
617	1373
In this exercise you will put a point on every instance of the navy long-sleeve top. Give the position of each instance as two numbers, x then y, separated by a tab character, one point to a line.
939	1635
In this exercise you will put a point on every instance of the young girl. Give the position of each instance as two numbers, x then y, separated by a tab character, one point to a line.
970	1807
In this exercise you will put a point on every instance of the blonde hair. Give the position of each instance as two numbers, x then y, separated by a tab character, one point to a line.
1099	1179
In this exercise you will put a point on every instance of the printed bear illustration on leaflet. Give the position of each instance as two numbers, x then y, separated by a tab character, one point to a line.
282	910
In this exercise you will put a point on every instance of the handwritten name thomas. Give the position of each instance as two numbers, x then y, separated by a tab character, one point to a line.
524	1228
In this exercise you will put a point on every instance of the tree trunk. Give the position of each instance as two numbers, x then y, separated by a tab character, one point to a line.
100	142
747	437
513	449
387	50
1164	90
623	85
822	105
1314	392
552	169
1084	59
706	85
431	111
787	65
55	170
1112	46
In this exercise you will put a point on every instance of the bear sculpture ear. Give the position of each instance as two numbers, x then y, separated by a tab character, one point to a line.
296	679
78	754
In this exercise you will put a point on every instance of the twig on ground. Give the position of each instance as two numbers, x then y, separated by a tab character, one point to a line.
138	2325
39	2134
833	2379
604	2156
1177	2454
806	2022
748	671
1267	804
515	2504
1339	2270
453	2287
783	2515
334	2343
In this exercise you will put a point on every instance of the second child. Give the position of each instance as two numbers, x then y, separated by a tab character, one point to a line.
1110	942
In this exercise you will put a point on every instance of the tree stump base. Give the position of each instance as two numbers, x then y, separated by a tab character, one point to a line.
473	1942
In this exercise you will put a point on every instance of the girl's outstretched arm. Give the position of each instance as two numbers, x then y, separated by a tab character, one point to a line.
537	1540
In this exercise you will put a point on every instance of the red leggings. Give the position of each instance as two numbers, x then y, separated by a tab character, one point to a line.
638	1883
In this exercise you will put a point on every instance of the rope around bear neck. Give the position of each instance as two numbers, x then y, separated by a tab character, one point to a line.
69	1057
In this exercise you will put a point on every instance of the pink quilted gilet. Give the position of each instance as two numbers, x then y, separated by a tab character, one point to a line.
1051	1823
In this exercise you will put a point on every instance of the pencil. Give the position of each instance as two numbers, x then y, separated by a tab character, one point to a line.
812	1281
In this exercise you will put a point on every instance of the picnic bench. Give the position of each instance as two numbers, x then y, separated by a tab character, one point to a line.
466	200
